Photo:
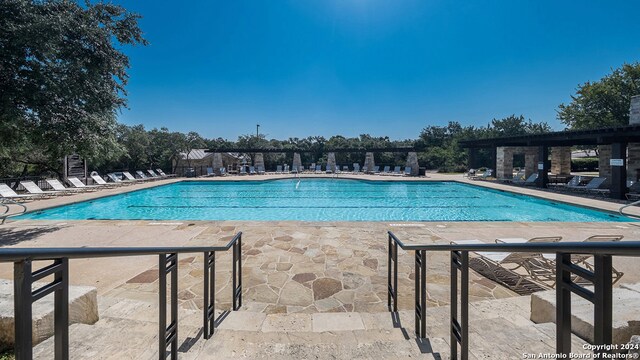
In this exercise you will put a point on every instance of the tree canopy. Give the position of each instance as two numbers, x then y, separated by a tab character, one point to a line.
63	78
602	103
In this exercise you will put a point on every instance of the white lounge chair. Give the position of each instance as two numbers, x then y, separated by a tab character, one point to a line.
100	181
143	176
154	175
8	193
117	180
57	185
34	189
75	182
131	177
159	171
356	168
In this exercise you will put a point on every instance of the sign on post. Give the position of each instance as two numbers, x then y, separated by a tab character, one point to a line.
616	162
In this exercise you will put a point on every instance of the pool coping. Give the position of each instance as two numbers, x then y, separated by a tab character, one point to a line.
589	203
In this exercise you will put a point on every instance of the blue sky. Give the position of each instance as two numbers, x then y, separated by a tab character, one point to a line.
387	68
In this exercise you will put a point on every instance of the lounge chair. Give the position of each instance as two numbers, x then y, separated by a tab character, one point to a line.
501	266
582	259
57	185
328	169
34	189
210	172
159	171
484	176
252	170
131	177
278	169
518	178
8	193
345	168
538	239
407	171
531	180
318	169
75	182
386	170
100	181
470	173
376	170
365	170
356	168
154	175
312	167
634	191
243	170
593	186
396	170
223	171
117	180
143	176
260	170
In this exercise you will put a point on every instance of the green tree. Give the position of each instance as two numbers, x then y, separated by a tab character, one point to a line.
602	103
63	78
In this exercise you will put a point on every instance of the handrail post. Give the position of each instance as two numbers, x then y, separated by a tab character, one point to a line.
168	335
563	304
209	307
460	327
603	304
61	310
237	274
421	293
22	282
392	278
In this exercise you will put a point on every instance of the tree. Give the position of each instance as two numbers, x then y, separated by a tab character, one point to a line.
63	78
602	103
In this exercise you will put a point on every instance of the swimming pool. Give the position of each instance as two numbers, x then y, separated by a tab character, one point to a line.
322	200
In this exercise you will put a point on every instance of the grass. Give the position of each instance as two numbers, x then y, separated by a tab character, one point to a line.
7	355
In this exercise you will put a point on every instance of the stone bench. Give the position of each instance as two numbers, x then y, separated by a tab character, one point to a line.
626	312
83	308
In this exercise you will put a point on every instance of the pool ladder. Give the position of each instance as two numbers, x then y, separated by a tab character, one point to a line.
629	215
5	204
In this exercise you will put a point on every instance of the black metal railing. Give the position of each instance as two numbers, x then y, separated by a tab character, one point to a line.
24	296
566	274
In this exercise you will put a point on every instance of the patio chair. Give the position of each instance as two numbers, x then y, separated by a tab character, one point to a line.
501	266
356	168
593	186
153	174
318	169
530	181
345	168
582	259
159	171
470	173
386	170
278	169
260	170
75	182
538	239
210	172
117	180
252	170
143	176
223	171
634	191
131	177
519	177
57	185
396	170
484	176
376	170
8	193
328	169
312	167
34	189
100	181
243	170
407	171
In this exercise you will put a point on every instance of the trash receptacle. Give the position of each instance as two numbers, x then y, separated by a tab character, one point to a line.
190	172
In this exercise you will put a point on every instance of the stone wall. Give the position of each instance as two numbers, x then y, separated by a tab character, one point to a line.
604	155
634	111
561	160
331	161
296	162
369	162
504	162
217	163
258	161
530	161
633	161
412	161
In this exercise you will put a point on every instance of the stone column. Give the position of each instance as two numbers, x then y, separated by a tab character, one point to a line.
634	110
369	161
604	155
412	161
296	162
530	161
504	162
561	160
633	161
217	163
331	161
258	162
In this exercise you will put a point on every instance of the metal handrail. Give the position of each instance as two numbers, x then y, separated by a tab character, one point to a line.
599	274
629	215
4	202
25	296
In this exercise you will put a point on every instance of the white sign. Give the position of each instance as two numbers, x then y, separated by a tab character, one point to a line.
540	166
616	162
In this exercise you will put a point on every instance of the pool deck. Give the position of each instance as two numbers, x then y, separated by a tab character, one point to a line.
292	267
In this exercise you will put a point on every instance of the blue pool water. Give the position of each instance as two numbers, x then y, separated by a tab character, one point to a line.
323	200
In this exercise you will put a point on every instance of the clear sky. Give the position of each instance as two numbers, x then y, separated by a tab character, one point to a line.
387	68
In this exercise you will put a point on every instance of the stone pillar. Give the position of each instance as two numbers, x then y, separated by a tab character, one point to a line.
619	173
217	163
504	162
604	155
633	161
561	160
530	161
634	111
258	162
369	161
412	161
296	162
331	161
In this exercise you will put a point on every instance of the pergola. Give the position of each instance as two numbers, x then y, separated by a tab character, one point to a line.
289	151
616	139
